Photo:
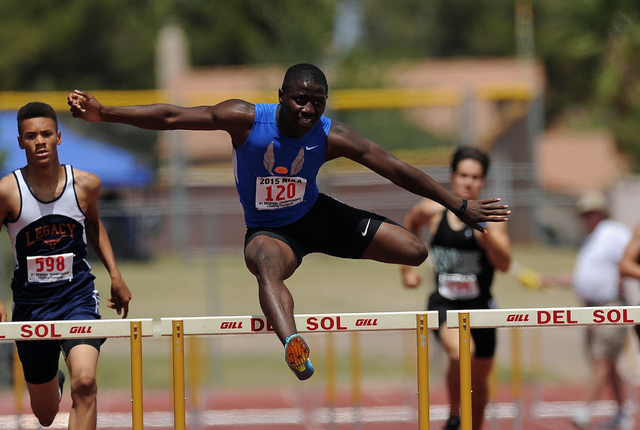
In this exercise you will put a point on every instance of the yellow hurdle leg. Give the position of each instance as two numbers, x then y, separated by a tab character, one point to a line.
136	376
179	399
423	372
465	371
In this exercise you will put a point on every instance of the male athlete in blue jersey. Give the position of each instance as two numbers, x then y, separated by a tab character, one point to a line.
278	150
51	213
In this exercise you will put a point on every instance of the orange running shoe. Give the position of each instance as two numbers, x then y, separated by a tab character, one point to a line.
296	354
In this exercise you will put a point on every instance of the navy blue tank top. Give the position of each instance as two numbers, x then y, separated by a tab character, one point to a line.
49	246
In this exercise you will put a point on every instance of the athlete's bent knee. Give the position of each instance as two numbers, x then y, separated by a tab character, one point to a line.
266	257
419	254
45	417
84	386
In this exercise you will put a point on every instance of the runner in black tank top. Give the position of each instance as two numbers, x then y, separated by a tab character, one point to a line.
464	261
463	271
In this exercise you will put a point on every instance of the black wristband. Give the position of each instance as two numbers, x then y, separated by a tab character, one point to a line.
463	208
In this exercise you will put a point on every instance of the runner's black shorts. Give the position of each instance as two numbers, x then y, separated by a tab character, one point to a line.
484	338
330	227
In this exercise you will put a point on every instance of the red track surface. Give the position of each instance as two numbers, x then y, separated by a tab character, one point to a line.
382	409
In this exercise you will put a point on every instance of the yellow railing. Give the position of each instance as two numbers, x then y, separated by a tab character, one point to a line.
341	99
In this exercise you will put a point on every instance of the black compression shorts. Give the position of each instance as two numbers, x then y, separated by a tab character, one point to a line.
484	338
330	227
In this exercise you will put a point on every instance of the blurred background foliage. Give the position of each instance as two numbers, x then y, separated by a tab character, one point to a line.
590	48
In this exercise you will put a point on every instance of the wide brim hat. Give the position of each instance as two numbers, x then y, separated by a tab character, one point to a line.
594	201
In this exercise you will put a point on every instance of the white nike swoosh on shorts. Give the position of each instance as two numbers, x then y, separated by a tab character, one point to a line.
309	148
366	229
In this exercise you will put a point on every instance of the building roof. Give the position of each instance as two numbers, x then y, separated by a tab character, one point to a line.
475	82
576	162
566	162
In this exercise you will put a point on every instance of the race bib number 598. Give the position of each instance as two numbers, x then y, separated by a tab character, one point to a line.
50	268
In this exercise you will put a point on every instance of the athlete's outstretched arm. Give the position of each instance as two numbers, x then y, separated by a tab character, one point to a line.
344	141
233	116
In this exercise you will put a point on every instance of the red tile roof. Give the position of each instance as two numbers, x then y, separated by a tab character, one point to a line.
566	162
575	162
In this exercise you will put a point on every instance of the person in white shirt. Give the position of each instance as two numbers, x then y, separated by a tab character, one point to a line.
597	282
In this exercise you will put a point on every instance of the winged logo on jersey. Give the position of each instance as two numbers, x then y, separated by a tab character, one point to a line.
269	159
269	162
296	166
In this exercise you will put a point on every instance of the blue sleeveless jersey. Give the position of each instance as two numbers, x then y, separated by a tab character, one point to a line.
50	247
276	175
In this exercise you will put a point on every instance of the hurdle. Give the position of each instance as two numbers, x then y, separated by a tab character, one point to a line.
91	329
465	320
421	322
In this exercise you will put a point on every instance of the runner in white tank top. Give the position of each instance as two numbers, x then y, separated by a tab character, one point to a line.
51	213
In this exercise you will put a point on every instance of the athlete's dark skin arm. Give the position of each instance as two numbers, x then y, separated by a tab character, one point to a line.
233	116
344	141
236	118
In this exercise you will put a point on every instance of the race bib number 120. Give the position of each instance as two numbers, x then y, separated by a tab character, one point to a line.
50	268
275	192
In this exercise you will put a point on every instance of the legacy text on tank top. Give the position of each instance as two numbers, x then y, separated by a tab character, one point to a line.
49	246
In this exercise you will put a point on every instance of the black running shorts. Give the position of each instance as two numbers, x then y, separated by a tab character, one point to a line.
484	338
330	227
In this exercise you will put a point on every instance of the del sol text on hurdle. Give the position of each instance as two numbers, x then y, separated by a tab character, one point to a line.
28	331
312	324
599	316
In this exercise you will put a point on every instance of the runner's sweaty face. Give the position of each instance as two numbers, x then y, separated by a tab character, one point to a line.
39	138
468	179
300	108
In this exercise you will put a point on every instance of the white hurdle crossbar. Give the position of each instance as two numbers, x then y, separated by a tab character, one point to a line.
421	322
92	329
465	320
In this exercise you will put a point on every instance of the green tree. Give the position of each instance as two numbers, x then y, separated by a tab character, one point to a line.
256	31
111	44
591	50
439	28
68	44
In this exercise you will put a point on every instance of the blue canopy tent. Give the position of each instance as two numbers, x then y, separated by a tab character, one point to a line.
116	167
